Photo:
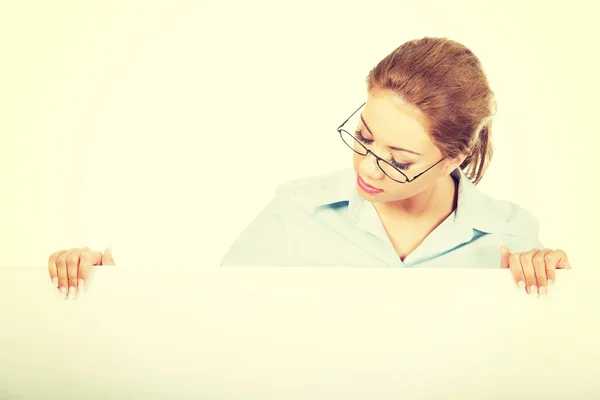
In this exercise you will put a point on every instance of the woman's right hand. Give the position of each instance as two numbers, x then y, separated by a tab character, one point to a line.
70	269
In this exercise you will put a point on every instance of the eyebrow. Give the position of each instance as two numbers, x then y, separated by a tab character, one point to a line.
391	147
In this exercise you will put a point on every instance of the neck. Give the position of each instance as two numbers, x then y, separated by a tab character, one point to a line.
438	201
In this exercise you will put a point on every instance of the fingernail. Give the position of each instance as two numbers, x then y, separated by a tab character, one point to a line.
550	282
542	290
63	292
55	282
81	285
521	285
72	292
533	290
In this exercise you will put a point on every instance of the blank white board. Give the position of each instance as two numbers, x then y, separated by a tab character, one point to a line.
297	333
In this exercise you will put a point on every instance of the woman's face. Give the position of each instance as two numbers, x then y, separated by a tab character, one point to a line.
396	132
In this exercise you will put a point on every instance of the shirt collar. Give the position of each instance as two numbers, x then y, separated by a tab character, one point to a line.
477	210
474	209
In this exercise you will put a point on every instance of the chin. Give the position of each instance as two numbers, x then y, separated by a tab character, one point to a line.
373	198
381	197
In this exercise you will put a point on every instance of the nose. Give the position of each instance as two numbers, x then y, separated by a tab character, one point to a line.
369	168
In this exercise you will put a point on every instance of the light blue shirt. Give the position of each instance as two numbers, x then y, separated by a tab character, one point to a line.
323	221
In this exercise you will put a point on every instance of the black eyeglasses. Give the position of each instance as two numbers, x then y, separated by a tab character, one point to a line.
359	148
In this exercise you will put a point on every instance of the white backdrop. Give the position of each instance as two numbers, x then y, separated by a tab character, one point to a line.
161	128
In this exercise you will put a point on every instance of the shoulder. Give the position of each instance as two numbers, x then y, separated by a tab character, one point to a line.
286	220
311	192
491	215
517	216
521	226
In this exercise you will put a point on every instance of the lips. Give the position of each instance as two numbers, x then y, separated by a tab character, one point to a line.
366	187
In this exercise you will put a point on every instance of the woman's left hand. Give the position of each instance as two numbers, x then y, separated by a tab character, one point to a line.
534	269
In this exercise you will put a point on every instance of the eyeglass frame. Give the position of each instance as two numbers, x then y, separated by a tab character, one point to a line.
377	158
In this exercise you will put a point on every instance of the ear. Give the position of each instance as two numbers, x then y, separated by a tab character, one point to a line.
450	164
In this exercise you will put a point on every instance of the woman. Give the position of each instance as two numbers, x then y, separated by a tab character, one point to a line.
420	144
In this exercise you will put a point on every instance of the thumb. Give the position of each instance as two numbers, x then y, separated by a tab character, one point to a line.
107	257
504	256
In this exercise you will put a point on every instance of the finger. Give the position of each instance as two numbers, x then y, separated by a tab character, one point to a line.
73	271
562	259
504	257
556	259
61	272
52	267
530	278
540	268
517	270
107	257
87	259
550	265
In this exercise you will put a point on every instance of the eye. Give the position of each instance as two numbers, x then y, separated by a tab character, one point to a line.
399	165
358	134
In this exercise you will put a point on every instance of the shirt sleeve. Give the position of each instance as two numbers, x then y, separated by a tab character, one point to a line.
528	229
264	242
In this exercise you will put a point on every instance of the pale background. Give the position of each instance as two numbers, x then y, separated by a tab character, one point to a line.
140	125
161	128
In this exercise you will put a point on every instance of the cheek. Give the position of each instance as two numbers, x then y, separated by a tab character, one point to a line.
356	160
397	191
